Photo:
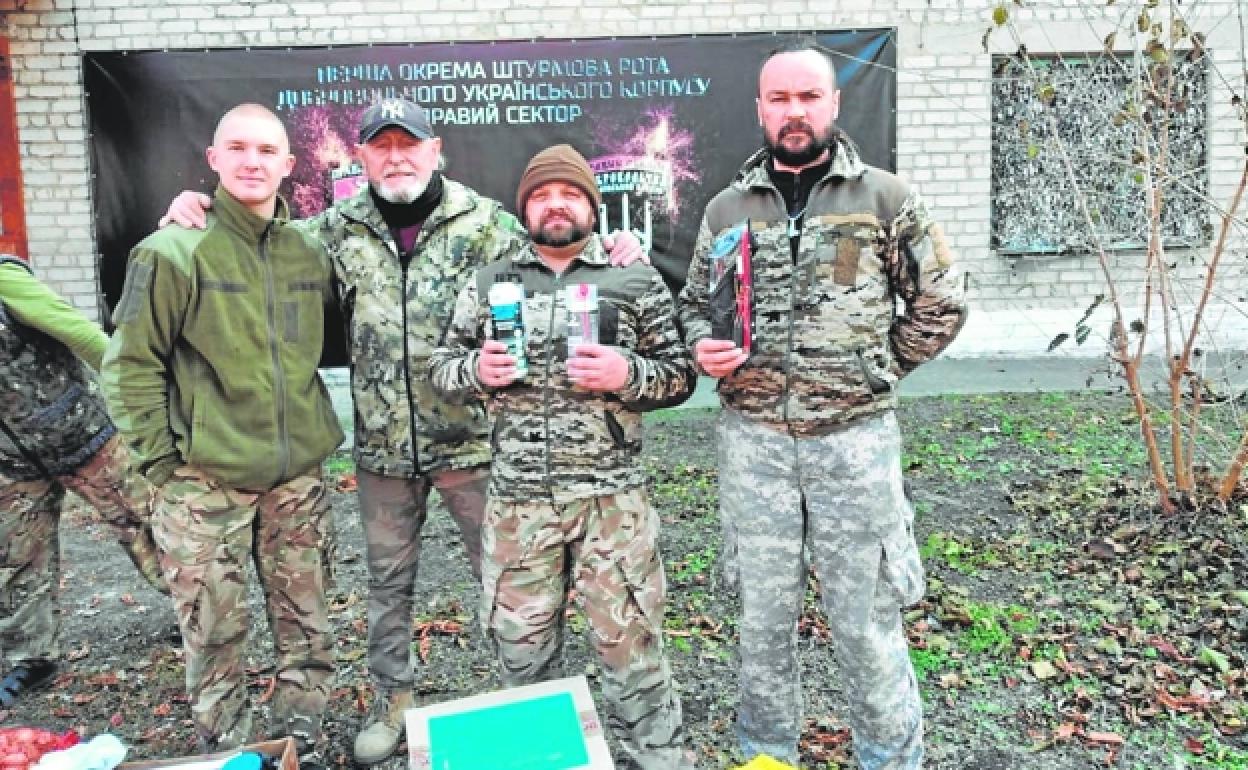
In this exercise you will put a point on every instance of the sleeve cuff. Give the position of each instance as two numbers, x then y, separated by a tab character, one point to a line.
160	471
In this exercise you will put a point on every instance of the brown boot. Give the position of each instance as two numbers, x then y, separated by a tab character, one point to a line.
384	727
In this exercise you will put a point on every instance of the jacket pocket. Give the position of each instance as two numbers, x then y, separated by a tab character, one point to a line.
623	436
496	430
875	382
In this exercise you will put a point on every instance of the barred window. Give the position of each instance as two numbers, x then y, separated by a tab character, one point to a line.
1090	106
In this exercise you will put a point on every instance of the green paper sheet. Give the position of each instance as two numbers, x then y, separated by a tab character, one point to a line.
537	734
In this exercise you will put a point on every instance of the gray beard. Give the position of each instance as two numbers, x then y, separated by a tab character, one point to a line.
405	195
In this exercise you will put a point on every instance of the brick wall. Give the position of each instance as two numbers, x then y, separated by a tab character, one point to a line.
943	113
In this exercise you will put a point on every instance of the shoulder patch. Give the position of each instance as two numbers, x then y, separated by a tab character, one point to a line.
138	280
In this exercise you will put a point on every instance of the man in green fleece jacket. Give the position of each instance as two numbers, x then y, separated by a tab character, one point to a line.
212	373
54	435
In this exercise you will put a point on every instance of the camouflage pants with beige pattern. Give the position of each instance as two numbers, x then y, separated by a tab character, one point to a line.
607	549
30	513
838	498
207	532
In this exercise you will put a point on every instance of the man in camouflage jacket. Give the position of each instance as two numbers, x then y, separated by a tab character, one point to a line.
401	249
567	491
809	444
54	435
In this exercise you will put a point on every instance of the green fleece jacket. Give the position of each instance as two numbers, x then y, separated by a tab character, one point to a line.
214	359
31	302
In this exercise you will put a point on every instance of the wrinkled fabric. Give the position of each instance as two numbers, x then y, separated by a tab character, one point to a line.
606	548
207	532
840	499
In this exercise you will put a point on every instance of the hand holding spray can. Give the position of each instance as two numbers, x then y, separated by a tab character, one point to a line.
507	317
581	301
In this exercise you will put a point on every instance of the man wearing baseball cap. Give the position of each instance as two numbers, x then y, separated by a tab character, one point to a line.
401	248
567	495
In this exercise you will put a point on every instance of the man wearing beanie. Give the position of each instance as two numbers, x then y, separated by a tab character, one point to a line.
401	248
567	501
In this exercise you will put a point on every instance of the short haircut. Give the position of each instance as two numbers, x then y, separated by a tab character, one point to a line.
249	108
799	45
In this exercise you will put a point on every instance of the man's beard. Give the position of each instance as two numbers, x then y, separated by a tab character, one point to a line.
819	142
577	232
404	192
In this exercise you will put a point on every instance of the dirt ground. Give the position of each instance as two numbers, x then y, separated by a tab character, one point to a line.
1066	624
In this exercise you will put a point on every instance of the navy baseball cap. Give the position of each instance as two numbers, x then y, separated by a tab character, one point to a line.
409	116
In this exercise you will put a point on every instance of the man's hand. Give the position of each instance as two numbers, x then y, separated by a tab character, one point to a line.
496	368
718	358
189	209
623	248
598	367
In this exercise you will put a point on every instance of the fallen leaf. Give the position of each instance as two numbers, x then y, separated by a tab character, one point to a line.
1109	738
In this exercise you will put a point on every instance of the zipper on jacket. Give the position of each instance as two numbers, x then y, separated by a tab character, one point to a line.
546	387
407	375
279	376
788	353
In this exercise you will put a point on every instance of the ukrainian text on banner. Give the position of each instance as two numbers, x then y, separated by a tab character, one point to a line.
665	122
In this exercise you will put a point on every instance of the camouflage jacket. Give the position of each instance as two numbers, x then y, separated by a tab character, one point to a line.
829	345
395	317
52	419
552	441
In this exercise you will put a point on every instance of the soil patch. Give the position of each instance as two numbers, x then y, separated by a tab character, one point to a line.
1067	624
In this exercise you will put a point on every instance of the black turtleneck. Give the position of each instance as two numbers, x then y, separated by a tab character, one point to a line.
406	219
796	187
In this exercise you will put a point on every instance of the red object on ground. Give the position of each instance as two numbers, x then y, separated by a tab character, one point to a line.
21	747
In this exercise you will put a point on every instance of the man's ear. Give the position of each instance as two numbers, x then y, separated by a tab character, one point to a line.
290	165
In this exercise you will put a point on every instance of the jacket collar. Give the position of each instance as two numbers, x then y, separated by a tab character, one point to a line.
234	215
360	208
846	164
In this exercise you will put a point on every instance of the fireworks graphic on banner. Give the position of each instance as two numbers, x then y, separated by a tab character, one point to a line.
325	168
641	174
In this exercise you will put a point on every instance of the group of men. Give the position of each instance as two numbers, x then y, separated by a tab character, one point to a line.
211	376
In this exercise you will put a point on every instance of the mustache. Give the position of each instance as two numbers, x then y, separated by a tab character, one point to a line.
793	128
560	213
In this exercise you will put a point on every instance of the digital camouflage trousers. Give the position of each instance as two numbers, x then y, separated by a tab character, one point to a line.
839	501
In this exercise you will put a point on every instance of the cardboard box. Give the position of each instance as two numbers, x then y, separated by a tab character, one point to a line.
548	726
282	749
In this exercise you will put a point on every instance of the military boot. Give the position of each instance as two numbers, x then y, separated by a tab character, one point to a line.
381	733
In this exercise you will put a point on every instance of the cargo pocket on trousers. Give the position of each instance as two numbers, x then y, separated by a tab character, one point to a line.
642	569
901	566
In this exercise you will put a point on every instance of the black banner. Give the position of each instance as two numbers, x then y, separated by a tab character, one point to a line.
665	122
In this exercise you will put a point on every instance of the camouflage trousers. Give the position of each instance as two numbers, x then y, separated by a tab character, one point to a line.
838	498
607	549
207	532
30	514
393	511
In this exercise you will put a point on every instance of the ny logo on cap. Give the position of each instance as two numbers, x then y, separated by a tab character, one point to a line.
392	109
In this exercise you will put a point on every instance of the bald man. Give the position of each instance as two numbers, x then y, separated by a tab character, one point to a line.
855	286
212	376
